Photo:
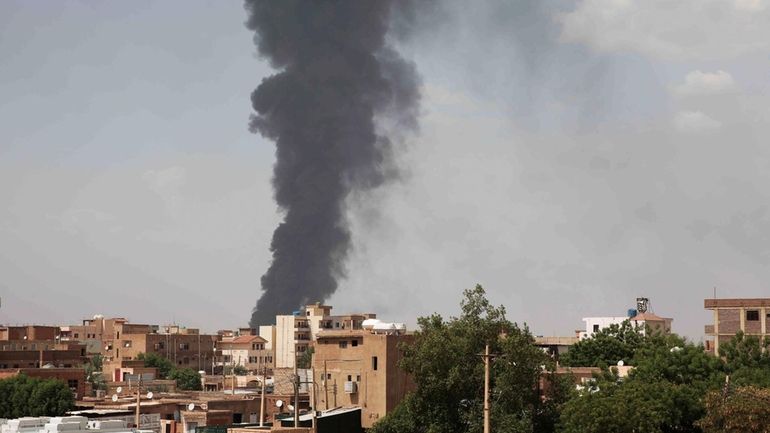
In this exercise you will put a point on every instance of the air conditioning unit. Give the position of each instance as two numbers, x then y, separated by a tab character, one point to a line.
351	387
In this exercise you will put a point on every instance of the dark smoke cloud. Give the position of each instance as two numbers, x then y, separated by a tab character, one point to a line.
339	82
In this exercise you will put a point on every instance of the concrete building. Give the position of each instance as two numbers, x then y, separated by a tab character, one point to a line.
184	347
359	367
69	424
639	317
295	333
750	315
555	347
248	351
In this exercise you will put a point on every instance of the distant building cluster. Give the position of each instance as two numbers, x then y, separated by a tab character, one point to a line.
252	376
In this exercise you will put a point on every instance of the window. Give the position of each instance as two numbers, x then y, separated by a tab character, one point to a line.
354	343
374	363
76	335
358	378
596	328
328	376
350	378
184	346
752	315
343	344
72	383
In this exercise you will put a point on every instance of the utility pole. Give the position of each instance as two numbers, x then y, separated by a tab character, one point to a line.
326	387
138	401
296	391
486	388
262	397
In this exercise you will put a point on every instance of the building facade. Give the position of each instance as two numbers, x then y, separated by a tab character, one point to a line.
294	334
358	367
750	315
248	351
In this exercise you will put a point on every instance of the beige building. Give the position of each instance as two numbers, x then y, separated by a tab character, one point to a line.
750	315
248	351
184	347
294	334
358	367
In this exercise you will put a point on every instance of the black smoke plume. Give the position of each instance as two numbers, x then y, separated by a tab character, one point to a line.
340	81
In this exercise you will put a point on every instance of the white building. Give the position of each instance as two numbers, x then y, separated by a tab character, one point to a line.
68	424
639	318
596	324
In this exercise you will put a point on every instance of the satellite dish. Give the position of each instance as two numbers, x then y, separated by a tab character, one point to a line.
279	403
119	389
114	397
191	406
620	363
291	408
149	395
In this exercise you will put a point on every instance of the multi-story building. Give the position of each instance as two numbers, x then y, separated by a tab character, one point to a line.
750	315
248	351
92	332
295	333
38	346
359	367
184	347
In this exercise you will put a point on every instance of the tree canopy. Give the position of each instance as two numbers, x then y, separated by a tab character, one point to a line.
164	366
445	362
22	396
186	378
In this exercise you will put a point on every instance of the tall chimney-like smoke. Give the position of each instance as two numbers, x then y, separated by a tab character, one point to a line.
338	80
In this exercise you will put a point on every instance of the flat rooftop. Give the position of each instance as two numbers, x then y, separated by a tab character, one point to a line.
736	303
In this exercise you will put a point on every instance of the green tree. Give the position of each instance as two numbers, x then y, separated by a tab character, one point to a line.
186	379
306	359
739	410
24	396
164	366
444	361
239	370
747	360
606	347
94	373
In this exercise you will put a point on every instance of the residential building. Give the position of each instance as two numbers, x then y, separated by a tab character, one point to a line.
555	346
248	351
359	367
640	317
750	315
295	333
184	347
38	346
69	424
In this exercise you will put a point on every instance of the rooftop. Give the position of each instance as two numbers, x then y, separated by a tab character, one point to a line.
736	303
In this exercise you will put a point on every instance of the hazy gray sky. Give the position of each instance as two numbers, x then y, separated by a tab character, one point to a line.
572	156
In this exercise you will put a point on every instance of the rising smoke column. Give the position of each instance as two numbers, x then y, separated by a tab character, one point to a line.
339	79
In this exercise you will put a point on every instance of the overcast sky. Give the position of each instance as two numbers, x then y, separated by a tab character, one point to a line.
572	155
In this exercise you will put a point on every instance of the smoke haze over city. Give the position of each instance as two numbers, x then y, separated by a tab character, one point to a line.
568	157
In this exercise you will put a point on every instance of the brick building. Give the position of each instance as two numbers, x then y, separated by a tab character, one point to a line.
75	378
750	315
359	367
